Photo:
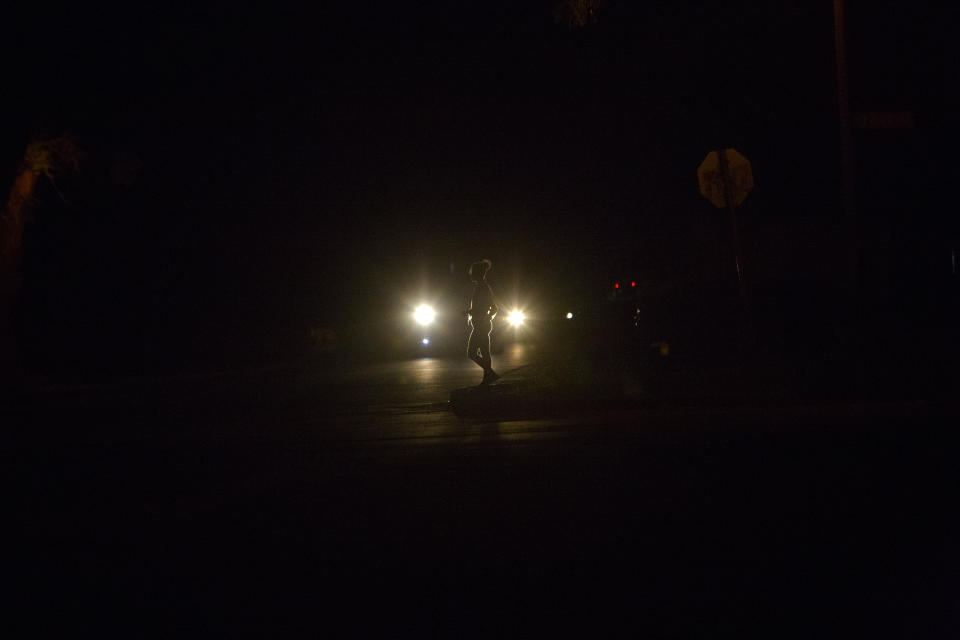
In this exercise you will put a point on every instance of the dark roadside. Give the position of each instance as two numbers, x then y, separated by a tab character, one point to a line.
823	482
607	368
248	503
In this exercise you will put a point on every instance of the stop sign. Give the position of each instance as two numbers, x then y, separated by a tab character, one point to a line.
722	172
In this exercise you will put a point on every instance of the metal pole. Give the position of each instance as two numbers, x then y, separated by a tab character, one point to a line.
846	139
728	198
857	314
745	325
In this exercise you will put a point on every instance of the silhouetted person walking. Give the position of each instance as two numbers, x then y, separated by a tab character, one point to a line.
481	313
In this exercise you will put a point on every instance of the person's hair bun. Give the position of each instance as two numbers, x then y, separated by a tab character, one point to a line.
480	268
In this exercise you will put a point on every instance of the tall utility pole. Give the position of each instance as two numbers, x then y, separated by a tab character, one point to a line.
849	202
846	141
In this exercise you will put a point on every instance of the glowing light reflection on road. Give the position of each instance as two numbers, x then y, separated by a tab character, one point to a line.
425	370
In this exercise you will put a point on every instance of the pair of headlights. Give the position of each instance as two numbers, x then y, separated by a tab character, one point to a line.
425	315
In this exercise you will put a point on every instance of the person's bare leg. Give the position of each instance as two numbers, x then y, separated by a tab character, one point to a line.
473	349
489	375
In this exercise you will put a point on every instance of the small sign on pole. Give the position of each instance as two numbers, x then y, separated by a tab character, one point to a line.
714	182
725	178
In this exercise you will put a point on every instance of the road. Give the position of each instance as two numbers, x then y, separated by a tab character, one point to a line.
319	499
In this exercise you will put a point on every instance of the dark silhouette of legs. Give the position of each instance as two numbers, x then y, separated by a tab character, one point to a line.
478	350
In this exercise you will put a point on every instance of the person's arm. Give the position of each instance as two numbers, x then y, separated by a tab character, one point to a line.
469	311
493	305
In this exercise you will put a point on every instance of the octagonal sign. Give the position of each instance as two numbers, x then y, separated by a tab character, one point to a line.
725	166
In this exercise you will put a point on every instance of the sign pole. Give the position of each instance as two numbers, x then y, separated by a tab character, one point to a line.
716	177
746	323
728	198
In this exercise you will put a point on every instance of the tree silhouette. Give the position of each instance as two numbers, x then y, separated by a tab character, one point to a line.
44	157
576	13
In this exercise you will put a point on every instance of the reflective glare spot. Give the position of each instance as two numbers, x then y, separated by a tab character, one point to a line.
425	341
517	352
424	314
516	317
569	315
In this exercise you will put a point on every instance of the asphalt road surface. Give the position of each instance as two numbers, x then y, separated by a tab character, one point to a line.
340	500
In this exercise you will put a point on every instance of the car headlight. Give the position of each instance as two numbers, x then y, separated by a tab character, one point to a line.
424	314
516	317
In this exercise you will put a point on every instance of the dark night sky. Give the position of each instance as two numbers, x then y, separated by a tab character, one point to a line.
251	171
